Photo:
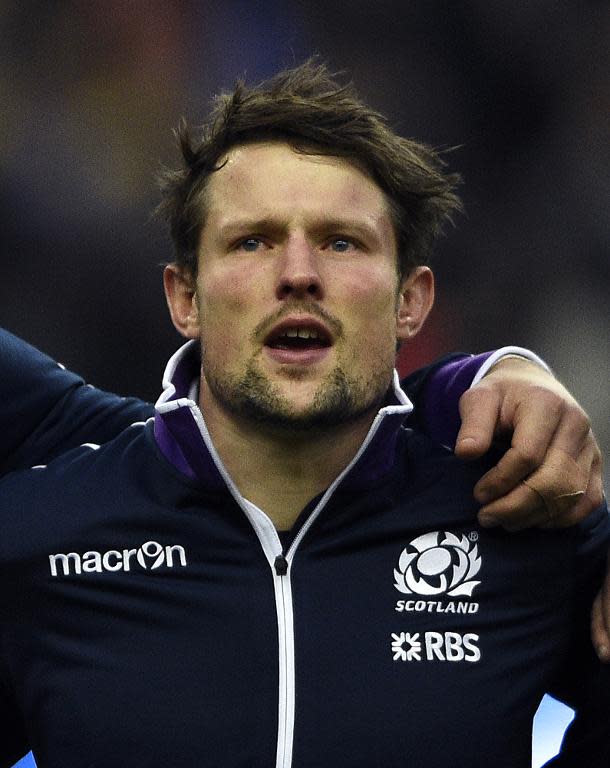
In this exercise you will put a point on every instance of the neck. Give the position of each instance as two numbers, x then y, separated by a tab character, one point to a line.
280	470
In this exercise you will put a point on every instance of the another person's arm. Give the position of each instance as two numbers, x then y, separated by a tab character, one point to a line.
46	410
550	474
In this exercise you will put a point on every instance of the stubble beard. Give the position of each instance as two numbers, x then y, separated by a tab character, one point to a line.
339	400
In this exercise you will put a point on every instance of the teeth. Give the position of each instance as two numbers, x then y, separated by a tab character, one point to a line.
301	333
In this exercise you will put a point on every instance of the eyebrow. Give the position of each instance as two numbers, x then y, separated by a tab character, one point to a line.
335	225
240	226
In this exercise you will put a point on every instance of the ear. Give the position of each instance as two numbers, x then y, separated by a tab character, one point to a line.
181	296
415	301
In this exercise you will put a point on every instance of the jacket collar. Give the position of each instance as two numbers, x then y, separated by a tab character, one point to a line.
183	438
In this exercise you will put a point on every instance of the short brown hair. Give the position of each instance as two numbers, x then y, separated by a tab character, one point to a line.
308	108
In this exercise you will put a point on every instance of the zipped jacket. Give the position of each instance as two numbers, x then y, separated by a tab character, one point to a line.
152	616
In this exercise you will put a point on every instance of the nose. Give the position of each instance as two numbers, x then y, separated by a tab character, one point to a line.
298	274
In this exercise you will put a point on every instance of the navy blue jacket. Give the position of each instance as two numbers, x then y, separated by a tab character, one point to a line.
151	616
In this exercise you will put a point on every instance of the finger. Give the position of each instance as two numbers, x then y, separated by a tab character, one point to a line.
479	411
519	509
573	430
600	619
561	481
533	434
575	439
599	634
546	497
591	499
513	467
538	427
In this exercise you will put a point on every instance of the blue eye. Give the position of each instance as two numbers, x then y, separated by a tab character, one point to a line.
250	244
341	245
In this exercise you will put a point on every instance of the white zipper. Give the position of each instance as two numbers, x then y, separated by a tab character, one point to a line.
286	670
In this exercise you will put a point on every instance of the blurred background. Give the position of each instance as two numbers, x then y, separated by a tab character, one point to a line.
90	93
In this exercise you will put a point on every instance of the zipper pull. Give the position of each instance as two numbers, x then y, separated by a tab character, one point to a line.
281	565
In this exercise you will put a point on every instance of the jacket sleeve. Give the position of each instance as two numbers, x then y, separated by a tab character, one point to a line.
583	683
436	390
47	410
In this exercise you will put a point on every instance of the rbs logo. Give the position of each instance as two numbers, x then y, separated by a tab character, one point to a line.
435	646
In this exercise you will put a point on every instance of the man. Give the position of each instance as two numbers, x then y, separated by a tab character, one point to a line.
296	579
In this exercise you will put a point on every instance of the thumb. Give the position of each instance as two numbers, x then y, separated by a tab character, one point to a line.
480	412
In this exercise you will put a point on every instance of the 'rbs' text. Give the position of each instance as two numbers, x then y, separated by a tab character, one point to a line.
435	646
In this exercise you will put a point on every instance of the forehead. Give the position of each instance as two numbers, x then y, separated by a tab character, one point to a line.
272	179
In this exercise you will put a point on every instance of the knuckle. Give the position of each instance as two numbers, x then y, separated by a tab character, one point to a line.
473	397
499	480
578	424
548	399
528	456
577	415
493	481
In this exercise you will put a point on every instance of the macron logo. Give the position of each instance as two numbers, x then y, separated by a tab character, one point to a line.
149	556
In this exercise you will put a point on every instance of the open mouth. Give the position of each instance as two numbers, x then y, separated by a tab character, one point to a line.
294	335
298	338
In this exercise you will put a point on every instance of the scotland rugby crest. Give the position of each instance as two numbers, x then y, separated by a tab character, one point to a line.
438	563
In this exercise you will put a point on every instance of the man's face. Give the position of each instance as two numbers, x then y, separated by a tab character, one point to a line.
296	298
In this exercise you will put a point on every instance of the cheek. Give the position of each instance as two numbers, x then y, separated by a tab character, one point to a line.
369	298
227	305
234	285
370	321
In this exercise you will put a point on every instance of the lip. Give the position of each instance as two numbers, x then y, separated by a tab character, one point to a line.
299	357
